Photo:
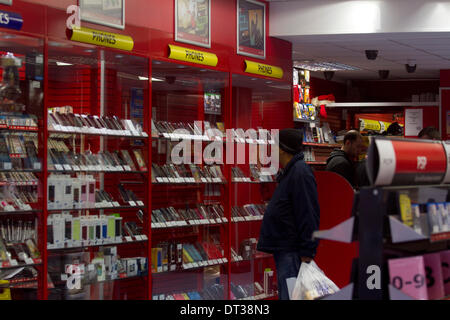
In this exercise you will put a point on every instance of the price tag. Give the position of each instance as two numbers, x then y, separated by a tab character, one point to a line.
144	237
127	168
445	263
203	180
225	220
140	203
138	238
67	167
159	179
116	204
212	221
132	203
128	239
166	180
225	260
29	261
58	167
434	277
36	166
14	262
153	225
408	275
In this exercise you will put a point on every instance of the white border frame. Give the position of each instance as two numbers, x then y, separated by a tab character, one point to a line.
7	2
204	45
112	25
263	5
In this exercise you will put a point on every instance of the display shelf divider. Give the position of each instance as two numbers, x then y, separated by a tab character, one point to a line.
342	232
148	218
402	233
228	117
395	294
345	293
42	281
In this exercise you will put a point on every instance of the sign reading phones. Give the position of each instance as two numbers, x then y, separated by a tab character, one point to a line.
408	275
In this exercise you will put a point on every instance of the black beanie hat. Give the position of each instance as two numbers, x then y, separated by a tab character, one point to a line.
291	140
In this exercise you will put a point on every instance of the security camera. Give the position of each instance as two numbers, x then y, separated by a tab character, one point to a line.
371	54
328	75
384	74
411	66
410	69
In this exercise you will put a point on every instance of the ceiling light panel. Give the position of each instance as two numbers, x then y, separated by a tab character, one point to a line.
323	66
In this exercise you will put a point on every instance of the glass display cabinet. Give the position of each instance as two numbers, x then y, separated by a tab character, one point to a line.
98	173
21	167
189	208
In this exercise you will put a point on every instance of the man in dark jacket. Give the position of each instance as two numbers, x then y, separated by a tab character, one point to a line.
343	161
292	214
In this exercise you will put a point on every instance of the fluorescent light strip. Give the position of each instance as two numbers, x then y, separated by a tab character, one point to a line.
324	66
62	64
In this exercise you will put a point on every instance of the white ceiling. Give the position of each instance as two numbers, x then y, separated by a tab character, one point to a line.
340	31
430	51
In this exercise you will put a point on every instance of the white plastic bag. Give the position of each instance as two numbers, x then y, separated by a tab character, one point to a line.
312	283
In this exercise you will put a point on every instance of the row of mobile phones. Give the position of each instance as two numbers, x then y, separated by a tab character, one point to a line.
83	123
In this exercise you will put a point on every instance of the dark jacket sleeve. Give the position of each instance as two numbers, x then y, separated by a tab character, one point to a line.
306	210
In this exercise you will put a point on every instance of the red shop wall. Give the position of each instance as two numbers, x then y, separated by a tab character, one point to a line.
445	101
151	24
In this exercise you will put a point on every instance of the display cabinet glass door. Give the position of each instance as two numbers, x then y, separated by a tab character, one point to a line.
98	189
21	155
259	105
189	190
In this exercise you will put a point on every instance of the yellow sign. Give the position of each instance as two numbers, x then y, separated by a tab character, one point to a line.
367	124
263	69
101	38
193	56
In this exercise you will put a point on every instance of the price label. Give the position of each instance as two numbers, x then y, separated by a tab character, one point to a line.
14	262
408	275
203	180
140	203
434	279
37	166
116	204
445	263
29	261
132	203
144	237
67	167
159	179
58	167
128	239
